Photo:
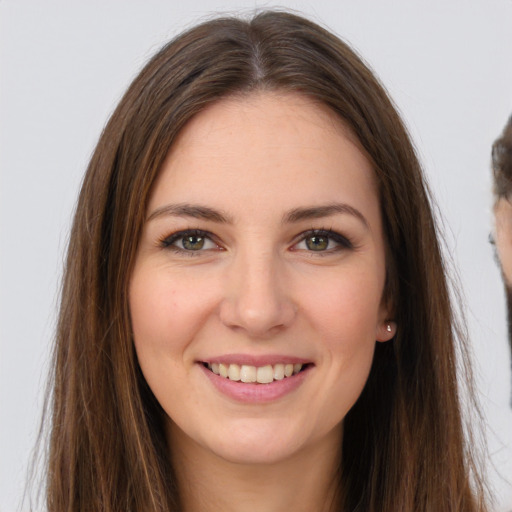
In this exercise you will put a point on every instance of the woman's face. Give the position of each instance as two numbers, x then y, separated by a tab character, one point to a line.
262	258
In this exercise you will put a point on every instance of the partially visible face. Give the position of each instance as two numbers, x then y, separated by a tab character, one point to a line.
503	239
262	258
503	229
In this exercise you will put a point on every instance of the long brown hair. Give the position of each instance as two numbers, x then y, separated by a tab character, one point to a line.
403	444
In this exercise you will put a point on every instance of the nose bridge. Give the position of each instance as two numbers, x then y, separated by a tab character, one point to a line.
256	299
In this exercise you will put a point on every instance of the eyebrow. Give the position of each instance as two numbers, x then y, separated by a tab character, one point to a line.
190	210
293	216
317	212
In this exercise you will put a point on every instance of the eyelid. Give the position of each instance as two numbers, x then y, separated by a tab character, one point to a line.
343	241
168	241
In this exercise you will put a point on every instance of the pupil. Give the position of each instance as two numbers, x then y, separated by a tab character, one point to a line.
193	243
317	243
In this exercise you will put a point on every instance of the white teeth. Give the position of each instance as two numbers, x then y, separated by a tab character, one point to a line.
265	374
279	371
234	372
223	370
262	374
248	373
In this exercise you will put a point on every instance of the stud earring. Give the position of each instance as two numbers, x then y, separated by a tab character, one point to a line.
388	327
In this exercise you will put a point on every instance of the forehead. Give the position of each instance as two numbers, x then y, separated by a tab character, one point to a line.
276	148
265	118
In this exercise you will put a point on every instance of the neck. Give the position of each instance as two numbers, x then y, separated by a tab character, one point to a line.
305	481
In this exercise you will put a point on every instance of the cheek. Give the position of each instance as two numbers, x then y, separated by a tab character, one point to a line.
151	307
347	308
345	318
162	313
503	226
504	248
165	316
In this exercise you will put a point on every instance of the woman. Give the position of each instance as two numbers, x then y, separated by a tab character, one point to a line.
254	312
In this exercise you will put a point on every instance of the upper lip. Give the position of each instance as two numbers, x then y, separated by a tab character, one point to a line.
255	360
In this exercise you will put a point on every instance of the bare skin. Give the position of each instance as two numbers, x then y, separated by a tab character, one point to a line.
290	485
503	218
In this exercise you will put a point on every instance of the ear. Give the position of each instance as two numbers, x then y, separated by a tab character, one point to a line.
386	330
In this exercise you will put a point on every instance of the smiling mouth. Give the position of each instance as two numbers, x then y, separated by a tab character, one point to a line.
256	374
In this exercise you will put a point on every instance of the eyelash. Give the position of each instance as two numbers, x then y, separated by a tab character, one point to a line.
343	242
169	241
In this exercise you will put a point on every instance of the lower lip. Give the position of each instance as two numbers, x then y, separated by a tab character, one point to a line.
256	393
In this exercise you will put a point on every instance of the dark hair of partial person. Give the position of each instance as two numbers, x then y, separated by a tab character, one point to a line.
404	444
502	163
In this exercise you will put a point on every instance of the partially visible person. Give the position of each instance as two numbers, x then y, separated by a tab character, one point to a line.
502	171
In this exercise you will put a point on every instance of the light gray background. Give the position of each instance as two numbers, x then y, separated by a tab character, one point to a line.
63	67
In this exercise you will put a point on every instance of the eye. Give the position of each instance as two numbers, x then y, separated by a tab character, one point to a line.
190	240
320	240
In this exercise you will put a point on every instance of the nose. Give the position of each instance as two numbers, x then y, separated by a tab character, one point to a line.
256	297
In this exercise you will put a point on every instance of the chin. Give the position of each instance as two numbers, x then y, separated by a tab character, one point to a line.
267	443
257	442
251	452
